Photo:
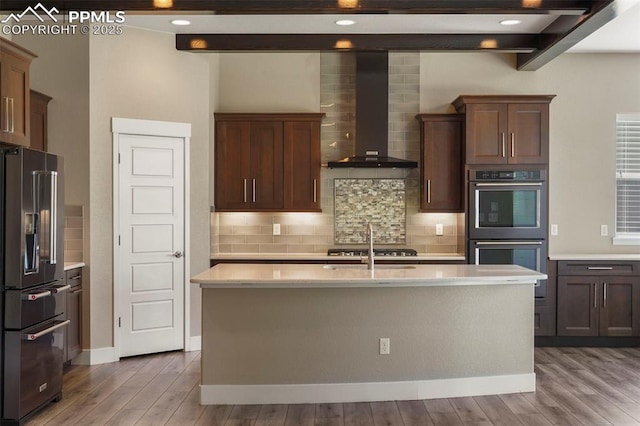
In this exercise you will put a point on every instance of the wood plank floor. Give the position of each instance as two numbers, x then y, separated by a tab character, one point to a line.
575	386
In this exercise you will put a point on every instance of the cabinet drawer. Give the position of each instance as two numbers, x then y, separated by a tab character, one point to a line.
74	277
598	267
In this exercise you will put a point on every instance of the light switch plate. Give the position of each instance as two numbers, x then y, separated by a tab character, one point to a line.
439	229
604	230
554	229
276	229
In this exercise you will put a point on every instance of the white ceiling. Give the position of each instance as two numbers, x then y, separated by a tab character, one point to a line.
622	34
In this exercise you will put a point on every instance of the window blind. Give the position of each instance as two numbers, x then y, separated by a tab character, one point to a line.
628	174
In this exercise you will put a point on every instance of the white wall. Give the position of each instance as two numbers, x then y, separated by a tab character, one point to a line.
141	75
590	89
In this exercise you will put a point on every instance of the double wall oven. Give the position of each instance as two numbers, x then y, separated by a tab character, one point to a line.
32	281
507	221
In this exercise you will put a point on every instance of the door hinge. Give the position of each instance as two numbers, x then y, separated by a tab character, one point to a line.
118	158
119	321
118	239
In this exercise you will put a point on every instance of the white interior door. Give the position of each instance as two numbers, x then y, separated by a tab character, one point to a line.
150	256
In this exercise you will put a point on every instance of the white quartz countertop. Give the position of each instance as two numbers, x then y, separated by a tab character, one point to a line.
630	256
243	275
317	256
73	265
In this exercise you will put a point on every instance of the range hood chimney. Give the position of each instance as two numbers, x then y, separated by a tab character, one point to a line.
372	117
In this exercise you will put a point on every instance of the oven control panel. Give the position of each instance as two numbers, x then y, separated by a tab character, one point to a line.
507	175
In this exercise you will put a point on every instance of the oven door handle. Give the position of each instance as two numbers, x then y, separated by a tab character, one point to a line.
35	336
507	242
36	296
508	184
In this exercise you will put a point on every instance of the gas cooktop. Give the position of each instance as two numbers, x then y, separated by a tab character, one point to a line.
376	252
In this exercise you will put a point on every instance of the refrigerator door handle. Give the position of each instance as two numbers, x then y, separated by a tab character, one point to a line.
53	223
35	336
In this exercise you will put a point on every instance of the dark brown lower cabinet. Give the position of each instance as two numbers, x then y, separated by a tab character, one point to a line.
596	305
73	337
544	320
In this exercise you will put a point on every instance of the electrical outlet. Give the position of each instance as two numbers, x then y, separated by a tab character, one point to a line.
385	346
439	229
604	230
554	229
276	229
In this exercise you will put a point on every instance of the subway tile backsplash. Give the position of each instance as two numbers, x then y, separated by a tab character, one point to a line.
309	235
316	232
73	234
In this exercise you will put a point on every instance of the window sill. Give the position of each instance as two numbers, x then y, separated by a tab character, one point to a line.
626	241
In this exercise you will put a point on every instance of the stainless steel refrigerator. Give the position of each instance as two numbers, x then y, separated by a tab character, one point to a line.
32	279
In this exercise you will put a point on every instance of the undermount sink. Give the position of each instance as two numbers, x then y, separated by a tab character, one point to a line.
364	267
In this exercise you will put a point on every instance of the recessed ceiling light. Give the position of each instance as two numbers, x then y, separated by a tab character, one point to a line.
510	22
181	22
345	22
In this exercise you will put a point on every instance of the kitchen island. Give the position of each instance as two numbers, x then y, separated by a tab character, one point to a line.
277	333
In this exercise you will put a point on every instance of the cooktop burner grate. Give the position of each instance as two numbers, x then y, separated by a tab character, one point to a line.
376	252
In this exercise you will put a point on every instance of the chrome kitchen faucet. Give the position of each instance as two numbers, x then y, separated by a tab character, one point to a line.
369	261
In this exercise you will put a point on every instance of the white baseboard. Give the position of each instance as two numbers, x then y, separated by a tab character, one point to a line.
365	392
196	343
96	356
107	355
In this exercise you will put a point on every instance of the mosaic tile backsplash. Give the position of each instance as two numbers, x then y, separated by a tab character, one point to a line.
381	202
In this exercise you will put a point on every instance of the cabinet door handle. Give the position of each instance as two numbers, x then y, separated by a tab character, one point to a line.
315	190
6	127
504	152
245	189
600	268
595	299
513	145
604	300
428	191
253	184
13	117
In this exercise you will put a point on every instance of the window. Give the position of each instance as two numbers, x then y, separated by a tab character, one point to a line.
627	179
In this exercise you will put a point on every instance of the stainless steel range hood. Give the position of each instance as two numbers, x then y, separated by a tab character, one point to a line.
372	118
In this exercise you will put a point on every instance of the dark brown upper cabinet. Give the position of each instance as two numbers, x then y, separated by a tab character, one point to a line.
441	165
505	129
267	162
14	93
39	120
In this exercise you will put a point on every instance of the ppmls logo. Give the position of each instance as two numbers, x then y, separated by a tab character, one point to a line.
77	21
33	11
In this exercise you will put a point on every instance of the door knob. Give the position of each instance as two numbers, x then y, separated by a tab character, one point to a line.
177	254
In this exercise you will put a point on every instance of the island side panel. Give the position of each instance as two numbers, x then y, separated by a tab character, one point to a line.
313	336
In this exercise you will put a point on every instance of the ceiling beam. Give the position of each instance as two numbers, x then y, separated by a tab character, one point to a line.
319	6
564	33
358	42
